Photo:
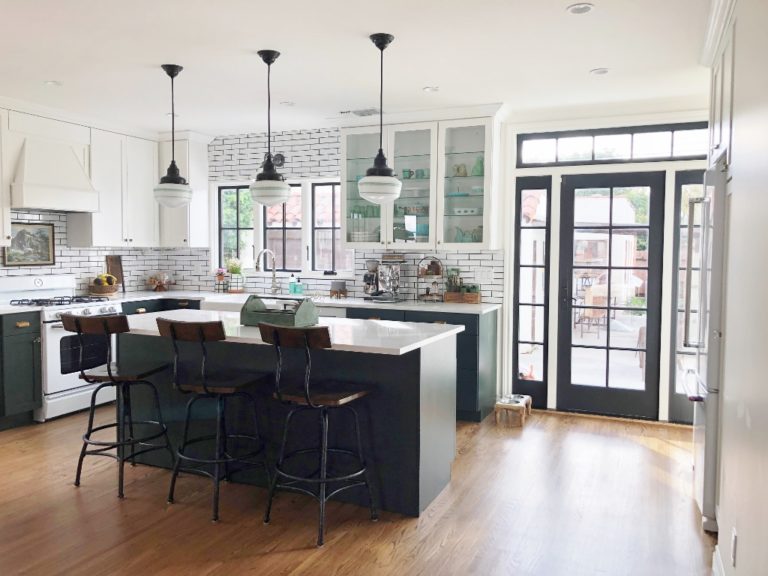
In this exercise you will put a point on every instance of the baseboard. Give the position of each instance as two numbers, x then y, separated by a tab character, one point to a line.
658	423
717	563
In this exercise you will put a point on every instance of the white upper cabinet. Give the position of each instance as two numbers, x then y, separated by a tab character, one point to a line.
721	99
5	192
124	172
187	226
140	214
448	199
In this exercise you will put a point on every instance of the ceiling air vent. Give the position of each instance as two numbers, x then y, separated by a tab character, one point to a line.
362	112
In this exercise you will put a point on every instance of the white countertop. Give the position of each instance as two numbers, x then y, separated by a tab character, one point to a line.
233	302
351	335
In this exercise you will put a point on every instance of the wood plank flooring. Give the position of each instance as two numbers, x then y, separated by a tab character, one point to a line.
567	495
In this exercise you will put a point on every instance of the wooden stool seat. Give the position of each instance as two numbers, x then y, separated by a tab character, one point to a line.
514	413
132	374
326	393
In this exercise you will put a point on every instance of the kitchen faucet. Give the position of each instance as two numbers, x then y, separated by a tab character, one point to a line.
275	289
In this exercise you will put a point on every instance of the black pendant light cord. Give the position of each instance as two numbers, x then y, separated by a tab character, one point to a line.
381	102
173	124
269	111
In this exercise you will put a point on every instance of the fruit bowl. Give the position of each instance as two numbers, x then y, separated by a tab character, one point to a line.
103	285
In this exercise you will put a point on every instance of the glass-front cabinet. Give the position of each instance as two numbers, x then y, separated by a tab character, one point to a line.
445	202
464	184
412	223
364	222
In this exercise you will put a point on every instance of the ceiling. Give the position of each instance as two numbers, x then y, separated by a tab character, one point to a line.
531	55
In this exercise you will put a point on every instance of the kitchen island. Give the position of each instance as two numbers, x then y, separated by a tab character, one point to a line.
408	421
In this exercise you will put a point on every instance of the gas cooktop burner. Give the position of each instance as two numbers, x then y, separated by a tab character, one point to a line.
58	301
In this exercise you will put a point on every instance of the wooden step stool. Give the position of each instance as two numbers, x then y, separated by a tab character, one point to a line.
515	412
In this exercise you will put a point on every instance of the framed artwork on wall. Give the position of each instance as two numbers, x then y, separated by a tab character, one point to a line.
32	244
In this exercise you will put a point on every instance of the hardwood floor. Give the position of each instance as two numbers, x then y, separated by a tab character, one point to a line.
568	495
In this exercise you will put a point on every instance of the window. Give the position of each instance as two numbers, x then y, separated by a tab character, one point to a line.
282	232
328	253
236	238
603	146
304	232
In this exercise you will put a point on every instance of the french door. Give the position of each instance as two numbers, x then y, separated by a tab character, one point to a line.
611	243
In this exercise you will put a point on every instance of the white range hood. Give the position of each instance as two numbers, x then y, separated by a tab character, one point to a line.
50	176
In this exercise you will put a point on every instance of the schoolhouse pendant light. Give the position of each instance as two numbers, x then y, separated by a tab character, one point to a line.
379	184
173	190
269	188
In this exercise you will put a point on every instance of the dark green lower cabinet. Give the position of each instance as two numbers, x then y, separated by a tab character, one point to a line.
159	305
476	354
21	385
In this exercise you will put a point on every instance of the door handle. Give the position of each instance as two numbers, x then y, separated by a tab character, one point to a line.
22	324
141	310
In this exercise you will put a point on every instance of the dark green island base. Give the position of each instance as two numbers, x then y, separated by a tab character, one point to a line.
408	422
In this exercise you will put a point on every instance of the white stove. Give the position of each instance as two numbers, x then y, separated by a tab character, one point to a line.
63	391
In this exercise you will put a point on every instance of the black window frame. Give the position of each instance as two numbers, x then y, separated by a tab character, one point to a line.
237	227
334	226
632	130
266	264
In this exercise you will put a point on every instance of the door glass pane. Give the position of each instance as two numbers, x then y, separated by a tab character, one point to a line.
626	370
629	247
652	145
323	249
696	252
613	147
412	164
531	323
228	244
588	366
576	148
530	362
531	287
532	246
363	217
273	217
590	247
293	249
628	288
275	243
590	326
246	240
631	205
246	209
689	192
592	206
229	208
323	207
684	361
539	151
464	186
293	208
628	328
587	279
533	208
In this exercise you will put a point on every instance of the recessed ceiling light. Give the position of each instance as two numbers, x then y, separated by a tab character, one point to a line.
580	8
599	71
288	103
54	83
431	88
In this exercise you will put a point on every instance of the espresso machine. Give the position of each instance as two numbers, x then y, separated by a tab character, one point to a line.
371	278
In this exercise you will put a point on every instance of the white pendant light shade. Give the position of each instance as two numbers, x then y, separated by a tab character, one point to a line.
173	195
379	189
270	192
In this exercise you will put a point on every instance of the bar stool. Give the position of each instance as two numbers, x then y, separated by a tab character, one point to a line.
320	397
220	387
95	336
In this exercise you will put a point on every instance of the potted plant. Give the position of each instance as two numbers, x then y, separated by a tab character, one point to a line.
235	268
221	274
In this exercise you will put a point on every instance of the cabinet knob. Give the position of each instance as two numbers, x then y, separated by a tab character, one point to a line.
36	340
141	310
382	243
185	239
439	241
130	240
22	324
8	237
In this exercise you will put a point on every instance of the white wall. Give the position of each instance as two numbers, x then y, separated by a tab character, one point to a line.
744	432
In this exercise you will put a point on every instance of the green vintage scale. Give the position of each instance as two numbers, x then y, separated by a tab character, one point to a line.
296	312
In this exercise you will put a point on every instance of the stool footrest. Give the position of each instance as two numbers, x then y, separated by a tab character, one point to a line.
128	442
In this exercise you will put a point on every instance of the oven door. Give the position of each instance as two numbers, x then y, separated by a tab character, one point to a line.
61	358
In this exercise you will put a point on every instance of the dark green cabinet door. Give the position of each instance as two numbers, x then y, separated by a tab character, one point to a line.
21	373
376	314
180	304
142	307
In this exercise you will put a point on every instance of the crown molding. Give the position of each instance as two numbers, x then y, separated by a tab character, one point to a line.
720	15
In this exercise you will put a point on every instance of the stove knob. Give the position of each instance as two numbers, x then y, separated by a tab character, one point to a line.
112	310
86	311
103	310
58	314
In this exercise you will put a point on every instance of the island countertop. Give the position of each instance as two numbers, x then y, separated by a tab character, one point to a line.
347	334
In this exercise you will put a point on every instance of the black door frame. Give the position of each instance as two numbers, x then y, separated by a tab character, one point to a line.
680	408
605	400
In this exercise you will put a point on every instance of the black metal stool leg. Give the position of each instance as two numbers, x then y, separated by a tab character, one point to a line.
129	420
225	447
160	419
88	432
366	474
120	440
323	474
180	451
280	456
217	465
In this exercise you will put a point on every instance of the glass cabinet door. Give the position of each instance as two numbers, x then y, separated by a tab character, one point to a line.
363	218
464	183
412	215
